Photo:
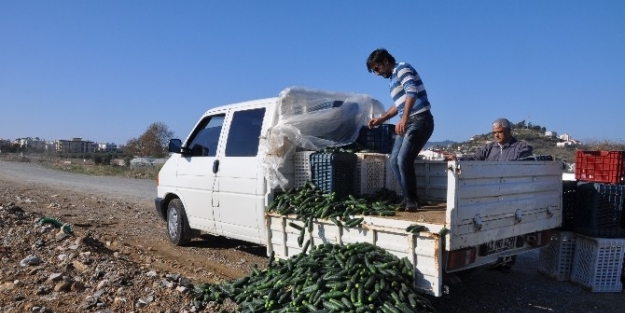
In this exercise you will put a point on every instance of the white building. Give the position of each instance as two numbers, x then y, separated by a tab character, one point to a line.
107	147
431	155
551	134
565	137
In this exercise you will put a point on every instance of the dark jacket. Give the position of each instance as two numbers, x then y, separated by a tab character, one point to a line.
510	151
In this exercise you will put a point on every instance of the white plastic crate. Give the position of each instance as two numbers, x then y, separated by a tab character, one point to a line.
598	263
302	171
370	172
390	181
431	179
556	259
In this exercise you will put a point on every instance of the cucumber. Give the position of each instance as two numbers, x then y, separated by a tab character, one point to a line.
348	304
390	308
338	303
331	306
332	295
404	308
295	226
300	238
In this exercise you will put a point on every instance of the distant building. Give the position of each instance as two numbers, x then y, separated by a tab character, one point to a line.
431	155
50	146
551	134
30	142
565	137
75	145
107	147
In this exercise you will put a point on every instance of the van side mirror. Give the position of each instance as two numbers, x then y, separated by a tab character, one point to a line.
175	146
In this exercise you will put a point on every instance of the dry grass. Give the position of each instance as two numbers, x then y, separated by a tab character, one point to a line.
85	167
148	172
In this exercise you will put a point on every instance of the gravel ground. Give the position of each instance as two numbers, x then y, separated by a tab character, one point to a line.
115	223
126	188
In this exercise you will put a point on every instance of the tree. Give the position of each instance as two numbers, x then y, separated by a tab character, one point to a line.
153	142
97	159
106	159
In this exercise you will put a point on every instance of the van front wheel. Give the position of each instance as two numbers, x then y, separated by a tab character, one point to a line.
178	229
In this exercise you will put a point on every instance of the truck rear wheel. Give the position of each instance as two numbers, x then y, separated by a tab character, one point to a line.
178	229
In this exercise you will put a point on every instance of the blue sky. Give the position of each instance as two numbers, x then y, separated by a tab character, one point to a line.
106	70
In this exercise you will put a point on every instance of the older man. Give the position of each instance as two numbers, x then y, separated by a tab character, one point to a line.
504	148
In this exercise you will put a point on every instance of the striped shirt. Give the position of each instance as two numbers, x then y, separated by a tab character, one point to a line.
405	82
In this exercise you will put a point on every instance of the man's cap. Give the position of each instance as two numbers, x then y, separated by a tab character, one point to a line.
503	123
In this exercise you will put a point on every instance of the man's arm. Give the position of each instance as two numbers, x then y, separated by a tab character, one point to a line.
392	111
479	155
400	128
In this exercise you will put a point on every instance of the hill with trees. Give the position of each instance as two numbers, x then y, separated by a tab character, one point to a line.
536	136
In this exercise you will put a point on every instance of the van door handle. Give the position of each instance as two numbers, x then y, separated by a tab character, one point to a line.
215	166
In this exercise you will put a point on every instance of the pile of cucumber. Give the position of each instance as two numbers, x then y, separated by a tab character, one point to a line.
309	202
356	277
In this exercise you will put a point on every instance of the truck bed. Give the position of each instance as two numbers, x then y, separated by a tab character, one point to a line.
485	202
433	213
423	249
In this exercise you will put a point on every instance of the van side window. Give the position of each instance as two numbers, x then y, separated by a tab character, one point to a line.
206	136
244	134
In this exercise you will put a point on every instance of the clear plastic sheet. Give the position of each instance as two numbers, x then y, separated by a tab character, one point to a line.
313	120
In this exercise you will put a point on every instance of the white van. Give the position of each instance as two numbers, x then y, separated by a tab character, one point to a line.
217	181
221	178
212	182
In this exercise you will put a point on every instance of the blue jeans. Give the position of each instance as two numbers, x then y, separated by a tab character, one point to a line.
405	150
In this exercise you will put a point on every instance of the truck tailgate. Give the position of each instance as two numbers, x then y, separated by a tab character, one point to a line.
489	201
424	250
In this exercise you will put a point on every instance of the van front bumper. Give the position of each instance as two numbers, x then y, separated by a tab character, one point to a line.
158	203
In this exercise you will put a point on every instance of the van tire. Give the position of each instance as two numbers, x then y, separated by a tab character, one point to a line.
178	229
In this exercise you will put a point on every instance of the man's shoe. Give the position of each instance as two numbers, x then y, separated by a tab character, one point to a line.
412	206
401	205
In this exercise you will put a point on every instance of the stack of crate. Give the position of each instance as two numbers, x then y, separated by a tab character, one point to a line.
593	225
302	171
334	172
431	179
370	172
378	139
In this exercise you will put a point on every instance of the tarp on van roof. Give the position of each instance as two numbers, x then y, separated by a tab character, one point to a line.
314	120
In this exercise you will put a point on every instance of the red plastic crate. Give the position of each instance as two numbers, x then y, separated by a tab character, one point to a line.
600	166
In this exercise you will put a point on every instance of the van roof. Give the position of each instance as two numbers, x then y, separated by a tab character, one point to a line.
241	105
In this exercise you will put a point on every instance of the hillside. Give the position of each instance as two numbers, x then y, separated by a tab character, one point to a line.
535	136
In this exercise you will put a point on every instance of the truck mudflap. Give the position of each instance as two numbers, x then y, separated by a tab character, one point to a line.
493	201
423	249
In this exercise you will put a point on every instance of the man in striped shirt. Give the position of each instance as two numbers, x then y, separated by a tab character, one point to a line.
416	122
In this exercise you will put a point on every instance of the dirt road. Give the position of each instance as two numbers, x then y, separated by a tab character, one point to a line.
122	261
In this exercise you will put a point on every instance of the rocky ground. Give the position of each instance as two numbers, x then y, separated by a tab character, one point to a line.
117	258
